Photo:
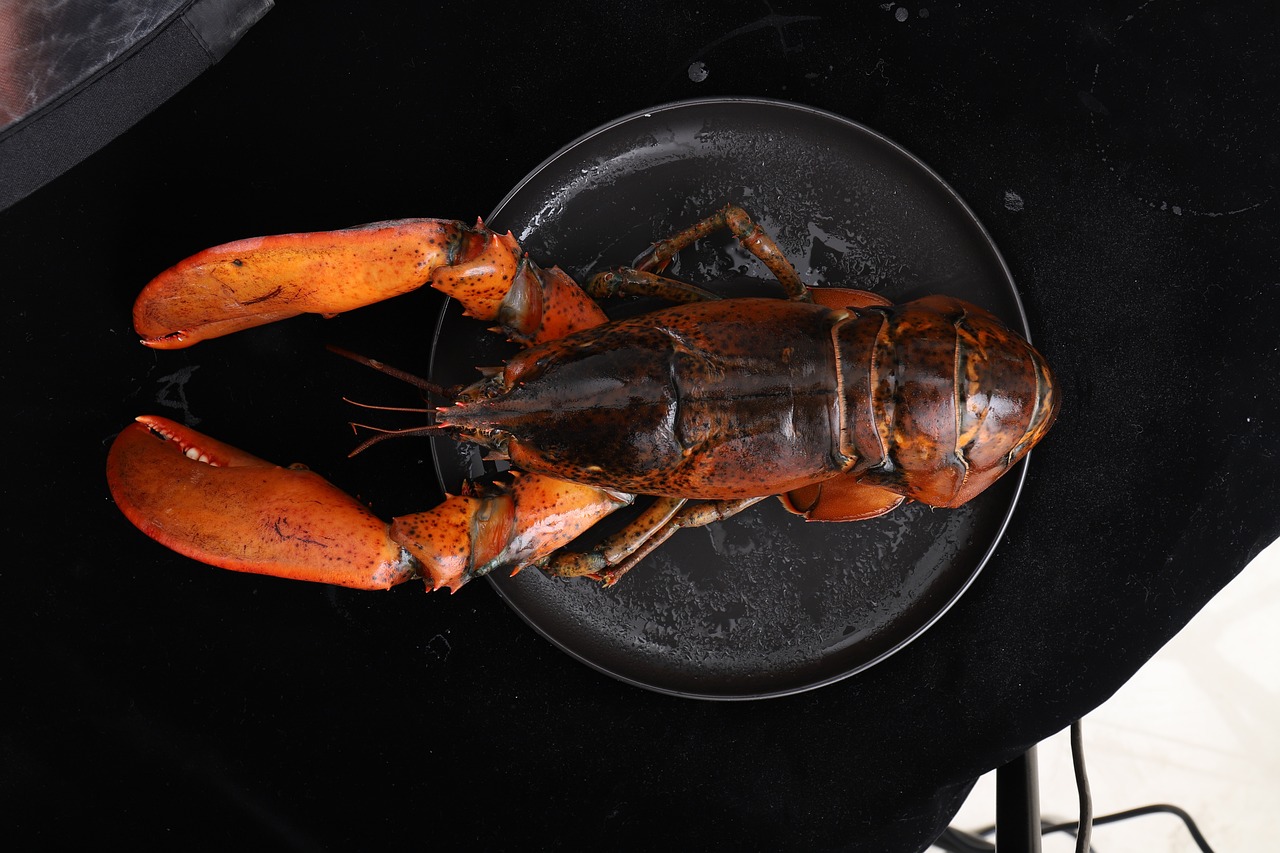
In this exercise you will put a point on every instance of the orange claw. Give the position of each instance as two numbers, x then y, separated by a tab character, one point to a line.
264	279
220	505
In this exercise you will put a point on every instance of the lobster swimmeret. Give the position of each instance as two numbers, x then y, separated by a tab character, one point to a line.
838	402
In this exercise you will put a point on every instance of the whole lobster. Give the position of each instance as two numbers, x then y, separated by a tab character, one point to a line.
838	402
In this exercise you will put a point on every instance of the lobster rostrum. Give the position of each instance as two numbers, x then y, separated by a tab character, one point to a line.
835	400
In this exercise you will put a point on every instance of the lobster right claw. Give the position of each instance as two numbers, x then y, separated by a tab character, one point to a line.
222	506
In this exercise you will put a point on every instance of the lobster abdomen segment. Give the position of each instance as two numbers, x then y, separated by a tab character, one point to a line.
956	398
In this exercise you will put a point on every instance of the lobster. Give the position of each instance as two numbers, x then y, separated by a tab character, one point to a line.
835	400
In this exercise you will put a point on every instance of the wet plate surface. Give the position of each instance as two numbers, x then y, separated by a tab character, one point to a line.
763	604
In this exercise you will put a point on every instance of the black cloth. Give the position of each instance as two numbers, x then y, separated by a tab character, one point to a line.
1123	160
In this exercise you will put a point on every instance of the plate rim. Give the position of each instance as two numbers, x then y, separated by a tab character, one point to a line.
974	221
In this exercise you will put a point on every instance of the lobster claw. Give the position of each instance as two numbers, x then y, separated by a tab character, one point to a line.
264	279
220	505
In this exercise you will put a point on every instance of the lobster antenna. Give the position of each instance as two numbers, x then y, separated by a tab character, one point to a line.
384	434
417	410
403	376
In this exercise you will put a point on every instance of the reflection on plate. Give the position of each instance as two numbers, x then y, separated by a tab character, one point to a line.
763	604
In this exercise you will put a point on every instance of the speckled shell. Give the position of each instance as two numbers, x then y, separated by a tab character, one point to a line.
956	398
933	399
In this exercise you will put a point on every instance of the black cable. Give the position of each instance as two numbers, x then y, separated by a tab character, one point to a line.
1082	789
954	840
1139	812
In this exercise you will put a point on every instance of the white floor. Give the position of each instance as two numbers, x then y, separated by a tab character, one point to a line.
1198	727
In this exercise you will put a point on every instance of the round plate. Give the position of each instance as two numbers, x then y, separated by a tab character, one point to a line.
763	604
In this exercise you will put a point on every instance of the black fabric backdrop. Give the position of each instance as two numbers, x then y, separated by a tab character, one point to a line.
1122	156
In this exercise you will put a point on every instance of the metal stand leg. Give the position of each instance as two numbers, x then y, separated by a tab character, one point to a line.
1018	805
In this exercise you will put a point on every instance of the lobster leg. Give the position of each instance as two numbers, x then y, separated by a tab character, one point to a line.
752	237
620	553
642	280
614	549
626	281
696	515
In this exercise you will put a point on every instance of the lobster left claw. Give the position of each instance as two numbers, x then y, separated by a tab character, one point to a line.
215	503
264	279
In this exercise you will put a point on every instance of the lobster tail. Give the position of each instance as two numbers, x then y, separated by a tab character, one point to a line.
952	399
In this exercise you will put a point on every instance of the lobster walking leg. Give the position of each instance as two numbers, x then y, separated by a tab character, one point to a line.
695	515
626	281
616	548
618	554
749	234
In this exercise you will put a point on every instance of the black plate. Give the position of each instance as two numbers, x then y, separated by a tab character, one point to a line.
763	604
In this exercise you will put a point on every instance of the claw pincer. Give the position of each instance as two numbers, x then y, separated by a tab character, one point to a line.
210	501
